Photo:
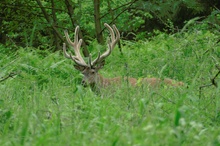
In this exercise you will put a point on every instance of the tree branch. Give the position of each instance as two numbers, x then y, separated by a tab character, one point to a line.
47	17
27	6
56	38
125	9
11	75
213	82
129	3
70	12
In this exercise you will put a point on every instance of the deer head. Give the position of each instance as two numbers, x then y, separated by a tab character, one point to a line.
90	69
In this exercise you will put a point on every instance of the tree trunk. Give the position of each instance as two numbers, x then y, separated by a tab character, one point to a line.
98	28
70	9
56	41
47	17
110	11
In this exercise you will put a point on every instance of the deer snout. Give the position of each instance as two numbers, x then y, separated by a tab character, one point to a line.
84	83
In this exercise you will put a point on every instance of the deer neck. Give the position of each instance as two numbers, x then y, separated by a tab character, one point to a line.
103	82
100	82
97	84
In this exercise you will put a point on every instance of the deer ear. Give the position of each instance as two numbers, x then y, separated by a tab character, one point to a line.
80	68
100	65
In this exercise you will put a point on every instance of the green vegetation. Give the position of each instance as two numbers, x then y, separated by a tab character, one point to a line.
40	23
42	102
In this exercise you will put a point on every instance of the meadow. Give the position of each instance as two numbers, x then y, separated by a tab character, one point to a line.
43	103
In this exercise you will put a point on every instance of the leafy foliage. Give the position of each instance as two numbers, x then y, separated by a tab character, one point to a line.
24	24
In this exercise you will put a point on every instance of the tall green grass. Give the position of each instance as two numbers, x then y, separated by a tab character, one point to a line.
44	103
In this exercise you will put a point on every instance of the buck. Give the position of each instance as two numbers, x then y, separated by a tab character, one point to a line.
90	69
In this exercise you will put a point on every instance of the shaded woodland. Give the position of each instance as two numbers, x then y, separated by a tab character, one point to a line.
40	24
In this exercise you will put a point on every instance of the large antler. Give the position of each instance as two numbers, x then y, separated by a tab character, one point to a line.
111	44
115	36
76	47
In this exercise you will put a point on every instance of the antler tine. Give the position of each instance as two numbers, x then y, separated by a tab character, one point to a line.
90	61
69	56
111	31
96	60
76	47
77	61
111	44
64	51
117	36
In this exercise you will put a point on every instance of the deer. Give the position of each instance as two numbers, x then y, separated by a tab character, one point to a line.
91	77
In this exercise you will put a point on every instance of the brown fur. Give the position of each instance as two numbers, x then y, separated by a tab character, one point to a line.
152	82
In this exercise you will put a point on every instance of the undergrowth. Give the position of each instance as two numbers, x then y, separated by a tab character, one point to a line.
43	103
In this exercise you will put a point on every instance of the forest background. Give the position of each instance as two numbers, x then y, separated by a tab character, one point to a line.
40	24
